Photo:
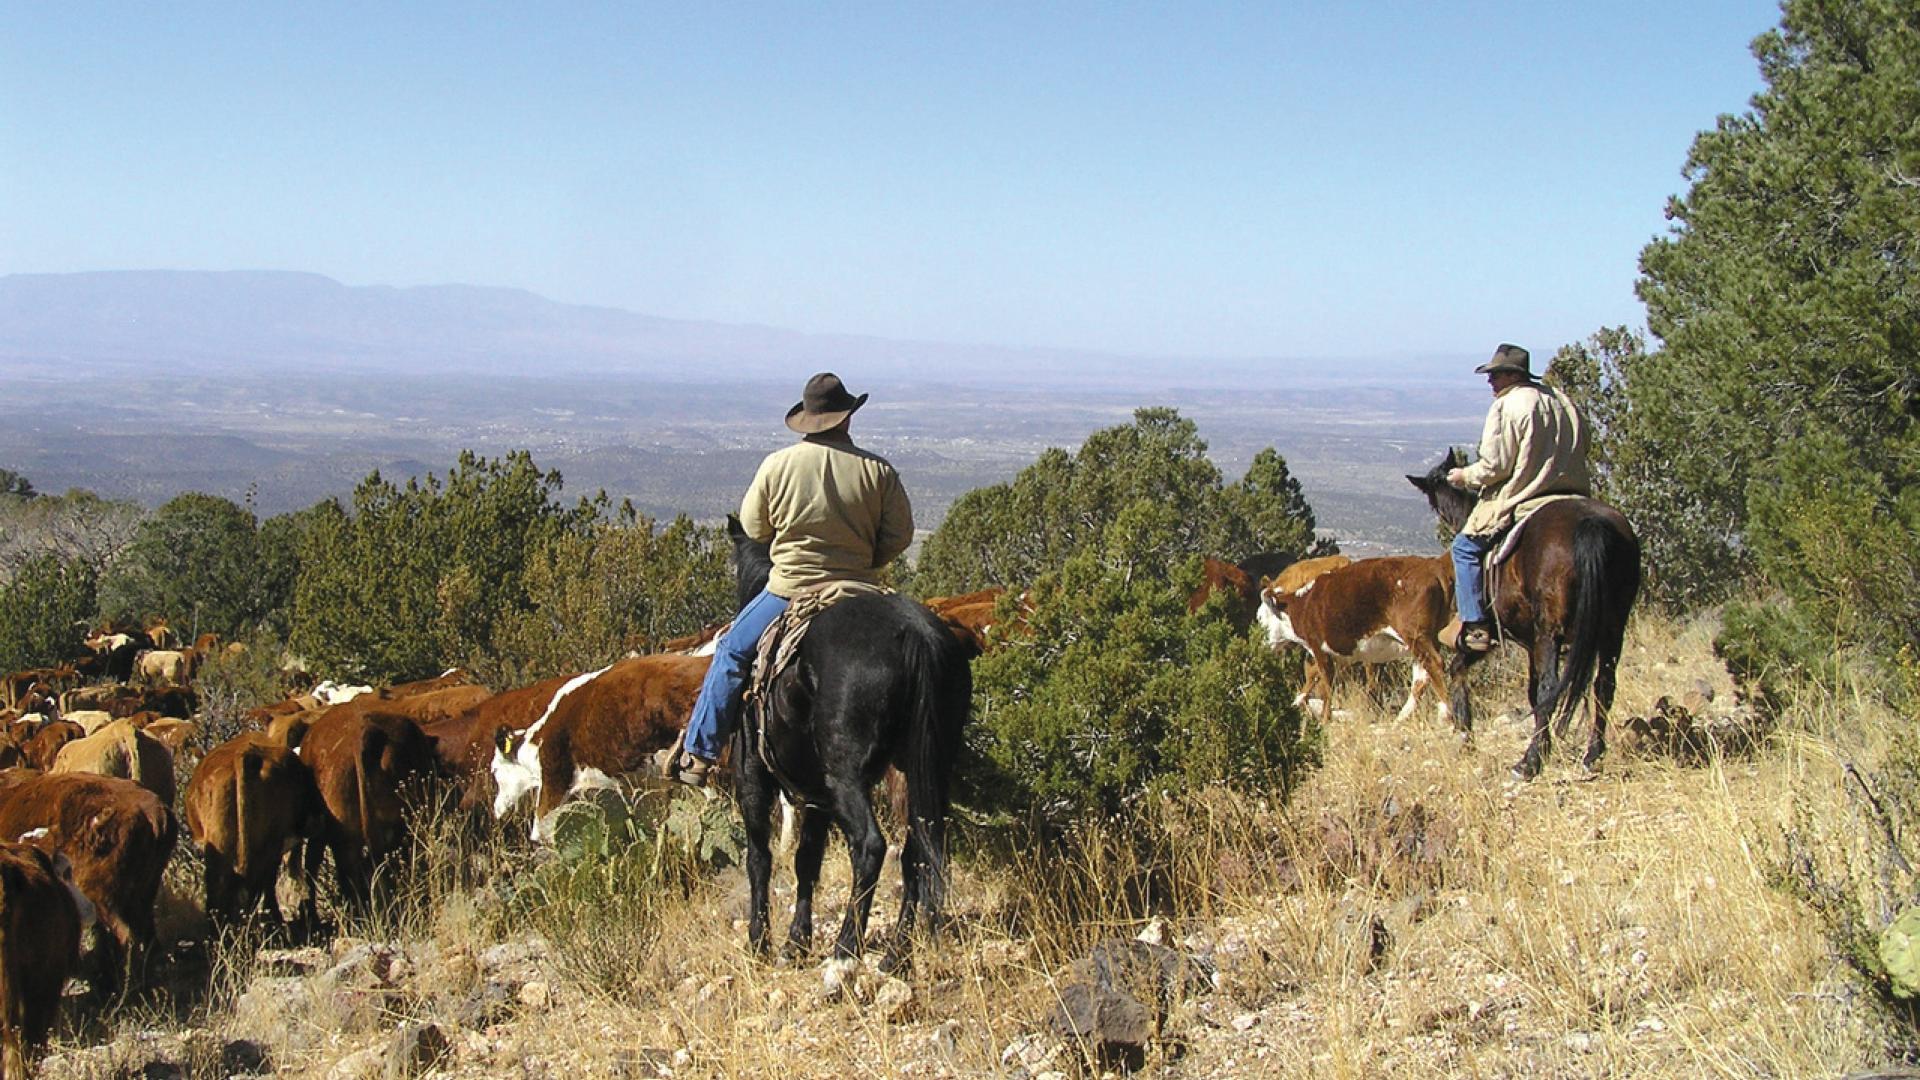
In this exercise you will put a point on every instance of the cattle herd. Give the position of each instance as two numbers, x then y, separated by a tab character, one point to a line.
88	753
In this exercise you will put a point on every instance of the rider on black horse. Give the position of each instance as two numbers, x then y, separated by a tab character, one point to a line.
1532	445
833	512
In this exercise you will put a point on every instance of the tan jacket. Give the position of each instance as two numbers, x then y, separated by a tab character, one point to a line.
1533	444
833	511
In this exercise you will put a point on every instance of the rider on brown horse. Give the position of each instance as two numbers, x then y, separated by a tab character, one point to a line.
1532	445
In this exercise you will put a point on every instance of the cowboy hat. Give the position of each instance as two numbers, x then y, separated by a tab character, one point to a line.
823	404
1507	358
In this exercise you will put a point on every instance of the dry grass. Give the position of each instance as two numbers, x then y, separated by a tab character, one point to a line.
1412	911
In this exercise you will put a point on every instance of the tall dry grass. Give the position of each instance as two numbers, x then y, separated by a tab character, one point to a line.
1410	910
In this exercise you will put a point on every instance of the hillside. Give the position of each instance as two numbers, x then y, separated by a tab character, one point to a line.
1412	912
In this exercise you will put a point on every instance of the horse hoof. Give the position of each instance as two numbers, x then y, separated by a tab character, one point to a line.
794	952
1524	774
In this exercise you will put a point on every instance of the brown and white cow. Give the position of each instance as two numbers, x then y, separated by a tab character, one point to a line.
465	742
1371	611
251	803
42	916
599	726
1219	578
117	834
123	750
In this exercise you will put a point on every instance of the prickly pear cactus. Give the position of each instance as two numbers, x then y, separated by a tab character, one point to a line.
1900	953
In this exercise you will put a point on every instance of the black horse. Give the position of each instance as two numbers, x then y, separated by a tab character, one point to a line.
878	680
1564	594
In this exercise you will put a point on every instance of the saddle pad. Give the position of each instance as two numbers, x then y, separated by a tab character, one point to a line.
781	641
1521	515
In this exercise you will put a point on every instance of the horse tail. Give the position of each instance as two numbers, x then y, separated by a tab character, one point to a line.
941	685
1606	565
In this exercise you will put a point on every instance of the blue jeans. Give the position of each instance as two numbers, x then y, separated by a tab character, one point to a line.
1469	585
717	712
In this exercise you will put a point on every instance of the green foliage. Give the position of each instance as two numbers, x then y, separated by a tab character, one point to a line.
415	579
706	830
195	563
1064	502
1772	647
1787	298
616	587
44	611
16	485
1118	691
1899	953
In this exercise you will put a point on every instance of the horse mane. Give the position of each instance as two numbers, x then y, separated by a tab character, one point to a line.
1451	504
752	563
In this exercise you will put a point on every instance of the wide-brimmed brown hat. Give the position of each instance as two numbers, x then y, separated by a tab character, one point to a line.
1507	358
823	405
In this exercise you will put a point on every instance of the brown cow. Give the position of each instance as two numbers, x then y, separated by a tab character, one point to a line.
1370	611
1295	579
118	836
41	917
364	762
123	750
251	803
1217	577
446	680
162	667
172	732
598	727
43	746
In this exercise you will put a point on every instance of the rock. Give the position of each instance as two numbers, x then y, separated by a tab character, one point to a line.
359	1065
1246	1021
1032	1052
536	995
162	1070
945	1039
1144	970
245	1057
291	961
1114	1024
894	1000
490	1004
1155	932
513	954
414	1048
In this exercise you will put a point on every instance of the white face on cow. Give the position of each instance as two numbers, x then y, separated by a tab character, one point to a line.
516	776
1273	618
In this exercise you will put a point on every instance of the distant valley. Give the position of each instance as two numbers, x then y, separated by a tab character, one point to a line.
189	407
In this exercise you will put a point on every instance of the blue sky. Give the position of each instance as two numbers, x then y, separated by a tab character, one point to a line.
1195	179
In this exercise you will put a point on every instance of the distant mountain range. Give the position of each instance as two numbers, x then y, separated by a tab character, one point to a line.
203	322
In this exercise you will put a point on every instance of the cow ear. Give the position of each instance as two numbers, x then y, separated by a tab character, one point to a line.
503	739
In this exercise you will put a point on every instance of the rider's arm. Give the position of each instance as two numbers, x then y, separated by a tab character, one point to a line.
896	522
1499	446
754	513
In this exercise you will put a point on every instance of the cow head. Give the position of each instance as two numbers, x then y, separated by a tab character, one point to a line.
516	770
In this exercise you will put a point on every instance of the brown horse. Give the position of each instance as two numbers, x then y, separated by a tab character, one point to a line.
1564	593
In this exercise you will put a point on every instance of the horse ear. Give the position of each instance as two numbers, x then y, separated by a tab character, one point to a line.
734	528
1420	482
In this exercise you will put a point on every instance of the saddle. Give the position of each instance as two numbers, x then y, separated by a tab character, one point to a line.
777	648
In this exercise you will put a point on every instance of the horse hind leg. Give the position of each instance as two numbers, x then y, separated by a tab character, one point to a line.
1543	672
867	851
811	848
1604	675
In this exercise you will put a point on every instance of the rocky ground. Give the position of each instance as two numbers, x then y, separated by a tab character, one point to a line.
1413	911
